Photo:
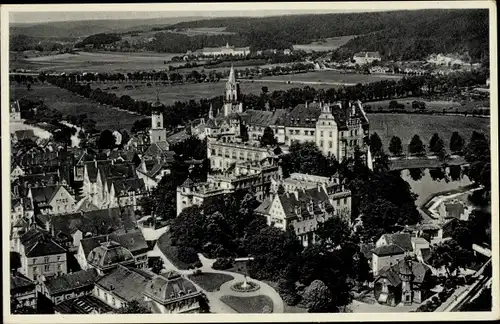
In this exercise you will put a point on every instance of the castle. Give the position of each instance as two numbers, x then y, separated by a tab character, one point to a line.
337	129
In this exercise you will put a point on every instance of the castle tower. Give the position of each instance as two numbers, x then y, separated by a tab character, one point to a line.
157	133
232	102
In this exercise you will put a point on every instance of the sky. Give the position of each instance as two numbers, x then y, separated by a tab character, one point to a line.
51	16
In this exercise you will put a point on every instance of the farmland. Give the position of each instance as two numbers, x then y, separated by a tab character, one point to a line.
95	62
326	44
334	76
448	106
168	94
68	103
406	125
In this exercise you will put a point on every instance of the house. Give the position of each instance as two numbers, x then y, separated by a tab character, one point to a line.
407	281
87	304
455	209
171	293
362	58
52	199
122	285
152	171
419	243
21	208
390	249
132	241
69	286
22	134
305	209
71	228
23	290
108	255
41	256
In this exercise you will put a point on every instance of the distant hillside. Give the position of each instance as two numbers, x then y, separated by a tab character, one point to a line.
395	33
83	28
459	31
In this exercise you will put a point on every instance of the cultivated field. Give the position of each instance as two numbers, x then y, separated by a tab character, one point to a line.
333	76
449	106
96	62
405	126
68	103
169	94
326	44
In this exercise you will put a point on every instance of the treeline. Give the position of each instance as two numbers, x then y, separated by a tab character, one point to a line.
19	43
179	43
98	40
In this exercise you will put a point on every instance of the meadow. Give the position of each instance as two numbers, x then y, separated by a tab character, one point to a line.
333	77
406	125
168	94
69	103
327	44
448	106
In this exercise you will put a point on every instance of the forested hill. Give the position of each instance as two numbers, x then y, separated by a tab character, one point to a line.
395	33
456	32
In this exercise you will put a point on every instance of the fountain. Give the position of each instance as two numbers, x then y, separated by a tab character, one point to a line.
245	286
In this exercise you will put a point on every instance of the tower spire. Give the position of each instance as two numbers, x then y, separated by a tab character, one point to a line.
211	112
232	77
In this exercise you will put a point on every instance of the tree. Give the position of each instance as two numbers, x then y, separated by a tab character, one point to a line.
477	154
268	137
395	146
318	298
375	144
432	143
441	152
157	265
456	143
451	256
416	146
107	140
332	233
133	307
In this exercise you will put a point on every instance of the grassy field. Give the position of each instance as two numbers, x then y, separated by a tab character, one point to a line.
96	62
253	304
334	77
326	44
405	126
170	93
210	281
448	106
69	103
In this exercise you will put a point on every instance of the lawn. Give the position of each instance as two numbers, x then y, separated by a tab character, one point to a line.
406	125
210	281
170	251
69	103
253	304
448	106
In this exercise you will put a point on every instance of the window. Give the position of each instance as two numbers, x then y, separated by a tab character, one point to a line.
291	131
46	260
158	124
297	132
306	132
330	144
47	267
321	143
331	134
312	133
345	200
321	133
35	269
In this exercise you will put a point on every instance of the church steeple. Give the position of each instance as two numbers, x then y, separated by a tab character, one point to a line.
232	87
232	77
211	112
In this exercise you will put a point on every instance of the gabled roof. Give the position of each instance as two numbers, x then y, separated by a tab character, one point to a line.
25	134
290	201
403	240
90	243
264	207
127	185
133	241
108	254
100	221
416	269
125	283
264	118
70	281
44	194
43	246
20	282
385	250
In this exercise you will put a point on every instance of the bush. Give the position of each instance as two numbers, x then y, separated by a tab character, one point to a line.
187	255
223	263
198	264
267	309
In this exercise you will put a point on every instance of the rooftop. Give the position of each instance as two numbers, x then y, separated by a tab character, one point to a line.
125	283
71	281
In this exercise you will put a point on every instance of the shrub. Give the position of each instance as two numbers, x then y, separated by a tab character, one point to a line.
187	255
198	264
223	263
266	309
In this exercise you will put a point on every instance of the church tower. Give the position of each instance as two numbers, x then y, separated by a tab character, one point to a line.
157	133
232	102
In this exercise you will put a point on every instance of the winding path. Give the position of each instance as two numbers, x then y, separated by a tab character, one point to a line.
216	305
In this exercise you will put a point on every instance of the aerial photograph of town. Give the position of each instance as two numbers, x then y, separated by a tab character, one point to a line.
281	161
